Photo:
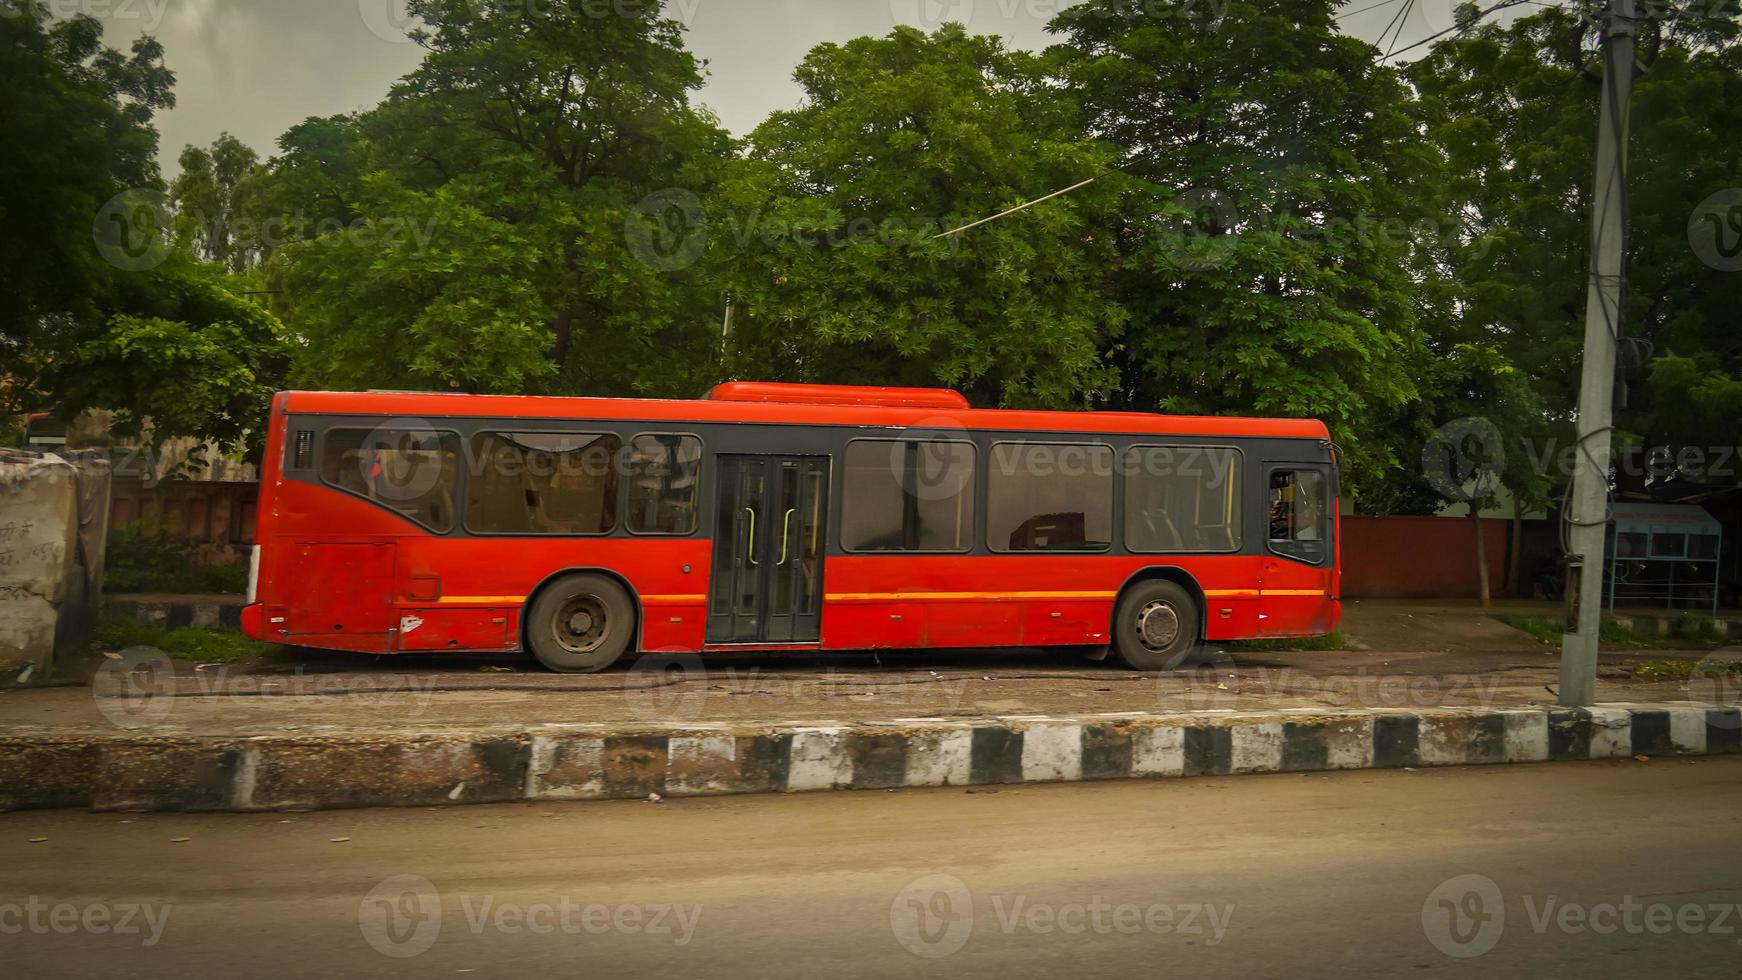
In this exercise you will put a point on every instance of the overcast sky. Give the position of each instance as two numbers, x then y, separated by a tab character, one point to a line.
255	67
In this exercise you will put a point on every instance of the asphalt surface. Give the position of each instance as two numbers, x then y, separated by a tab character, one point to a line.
1620	869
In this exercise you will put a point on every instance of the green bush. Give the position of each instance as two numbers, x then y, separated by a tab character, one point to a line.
150	556
183	643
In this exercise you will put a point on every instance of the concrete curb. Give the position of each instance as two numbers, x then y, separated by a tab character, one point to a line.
582	762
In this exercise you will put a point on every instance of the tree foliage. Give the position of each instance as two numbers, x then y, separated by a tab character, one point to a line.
829	240
1275	221
468	232
205	196
1514	119
97	308
1265	256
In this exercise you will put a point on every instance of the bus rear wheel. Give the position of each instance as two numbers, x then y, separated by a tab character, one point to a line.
1155	626
580	624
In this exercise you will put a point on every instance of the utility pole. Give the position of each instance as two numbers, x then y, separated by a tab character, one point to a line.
1588	501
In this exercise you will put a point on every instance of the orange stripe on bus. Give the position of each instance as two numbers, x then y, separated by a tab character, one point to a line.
658	600
878	596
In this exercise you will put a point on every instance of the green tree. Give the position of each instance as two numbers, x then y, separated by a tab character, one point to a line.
75	120
205	199
827	237
1266	260
180	355
98	309
469	232
1507	108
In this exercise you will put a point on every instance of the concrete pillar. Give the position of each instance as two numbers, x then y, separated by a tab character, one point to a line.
54	519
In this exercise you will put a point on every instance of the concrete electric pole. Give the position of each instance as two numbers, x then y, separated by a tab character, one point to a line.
1587	516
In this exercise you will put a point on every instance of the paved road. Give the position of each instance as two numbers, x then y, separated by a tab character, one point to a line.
1602	869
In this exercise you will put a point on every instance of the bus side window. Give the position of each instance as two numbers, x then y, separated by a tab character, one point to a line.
1298	514
412	472
1049	497
543	483
663	472
908	495
1182	499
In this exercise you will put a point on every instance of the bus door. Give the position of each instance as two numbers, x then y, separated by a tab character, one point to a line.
1296	589
767	584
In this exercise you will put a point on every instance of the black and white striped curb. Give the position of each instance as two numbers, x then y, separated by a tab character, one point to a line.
586	762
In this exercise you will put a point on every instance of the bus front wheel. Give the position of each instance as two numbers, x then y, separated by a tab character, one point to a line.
580	624
1155	626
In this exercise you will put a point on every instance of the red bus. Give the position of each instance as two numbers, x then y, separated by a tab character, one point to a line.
784	517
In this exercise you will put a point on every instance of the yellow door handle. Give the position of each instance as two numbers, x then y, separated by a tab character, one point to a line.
785	533
750	551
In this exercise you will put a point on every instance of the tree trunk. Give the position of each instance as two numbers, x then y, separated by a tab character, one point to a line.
564	329
1481	554
1515	553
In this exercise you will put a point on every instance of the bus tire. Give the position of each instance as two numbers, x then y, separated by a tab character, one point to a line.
1155	626
580	623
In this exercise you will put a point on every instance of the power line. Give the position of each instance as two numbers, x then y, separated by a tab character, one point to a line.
1502	5
1019	207
1371	6
1401	18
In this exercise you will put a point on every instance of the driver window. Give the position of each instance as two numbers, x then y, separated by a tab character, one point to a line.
1299	515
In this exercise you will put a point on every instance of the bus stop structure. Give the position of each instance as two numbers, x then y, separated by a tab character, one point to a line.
1663	554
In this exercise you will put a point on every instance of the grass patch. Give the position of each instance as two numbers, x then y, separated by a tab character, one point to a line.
1544	629
1330	641
183	643
1697	632
1681	670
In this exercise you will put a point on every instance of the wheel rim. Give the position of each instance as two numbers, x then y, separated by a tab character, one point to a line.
580	624
1157	626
